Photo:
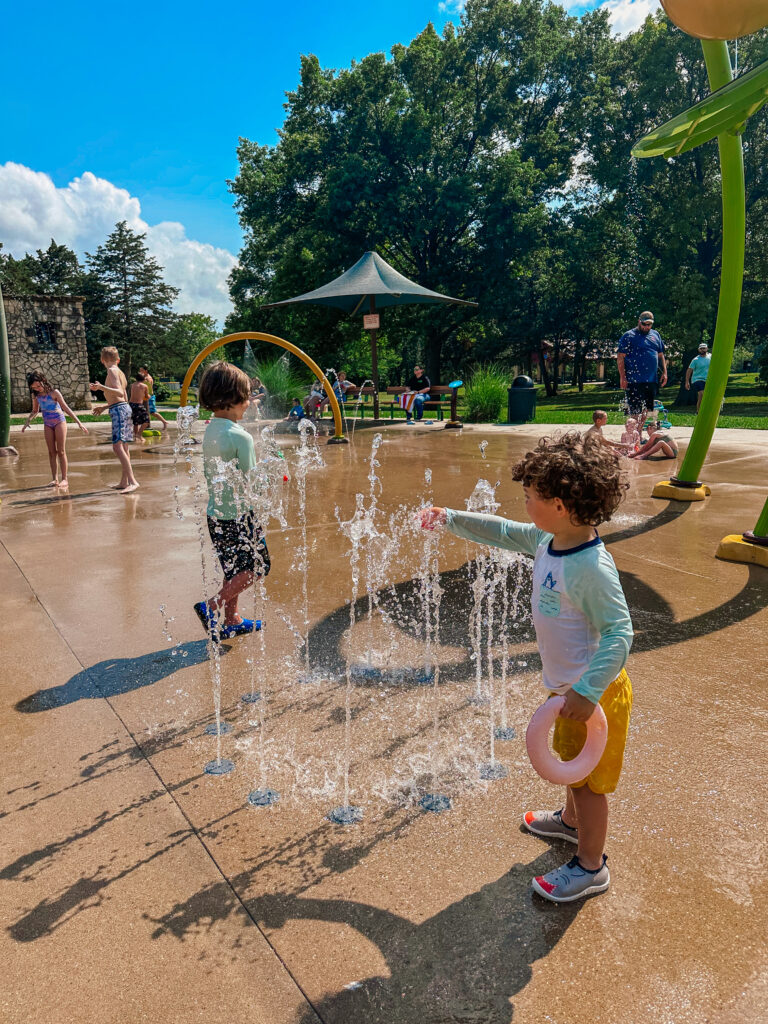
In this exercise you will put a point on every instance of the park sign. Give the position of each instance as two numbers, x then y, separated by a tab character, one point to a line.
371	321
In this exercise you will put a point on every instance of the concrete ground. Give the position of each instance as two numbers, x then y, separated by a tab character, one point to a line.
137	888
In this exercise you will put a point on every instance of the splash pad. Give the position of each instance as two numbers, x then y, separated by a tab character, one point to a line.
384	640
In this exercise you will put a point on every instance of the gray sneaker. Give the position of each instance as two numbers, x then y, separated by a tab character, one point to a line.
550	824
572	882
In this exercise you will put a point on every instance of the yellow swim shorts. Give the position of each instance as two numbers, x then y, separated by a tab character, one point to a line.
569	736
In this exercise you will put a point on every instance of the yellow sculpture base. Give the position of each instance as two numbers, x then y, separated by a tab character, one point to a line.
734	548
666	489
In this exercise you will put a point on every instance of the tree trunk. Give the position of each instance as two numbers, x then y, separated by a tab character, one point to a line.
432	349
545	378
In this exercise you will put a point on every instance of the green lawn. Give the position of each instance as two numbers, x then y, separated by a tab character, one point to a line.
745	406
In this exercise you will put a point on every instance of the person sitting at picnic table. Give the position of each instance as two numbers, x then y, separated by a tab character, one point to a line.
317	400
659	443
296	412
342	386
418	386
258	392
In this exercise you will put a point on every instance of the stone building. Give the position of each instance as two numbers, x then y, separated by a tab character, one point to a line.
47	333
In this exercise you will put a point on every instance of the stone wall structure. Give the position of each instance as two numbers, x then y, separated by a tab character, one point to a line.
47	333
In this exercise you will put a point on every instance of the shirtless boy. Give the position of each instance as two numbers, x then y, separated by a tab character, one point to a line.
139	403
599	420
116	390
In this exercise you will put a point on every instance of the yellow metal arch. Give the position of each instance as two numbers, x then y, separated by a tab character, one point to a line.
282	343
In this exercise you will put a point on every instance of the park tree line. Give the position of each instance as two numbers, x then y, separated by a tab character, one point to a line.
492	162
127	302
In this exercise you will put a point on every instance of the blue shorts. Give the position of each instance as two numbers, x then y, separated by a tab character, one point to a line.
698	385
152	404
122	422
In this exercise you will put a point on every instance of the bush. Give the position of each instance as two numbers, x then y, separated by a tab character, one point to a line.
283	381
486	394
162	392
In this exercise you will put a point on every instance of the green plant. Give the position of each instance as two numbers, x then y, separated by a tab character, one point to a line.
283	381
486	393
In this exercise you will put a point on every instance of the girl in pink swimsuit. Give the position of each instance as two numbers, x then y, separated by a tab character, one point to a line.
48	400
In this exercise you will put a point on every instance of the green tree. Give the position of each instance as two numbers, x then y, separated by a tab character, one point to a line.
16	276
187	335
444	158
674	206
130	302
57	271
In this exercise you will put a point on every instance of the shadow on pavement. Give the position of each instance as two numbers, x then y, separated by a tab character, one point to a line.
117	675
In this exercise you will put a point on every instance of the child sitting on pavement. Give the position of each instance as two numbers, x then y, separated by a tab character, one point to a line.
238	541
572	484
630	439
659	443
599	420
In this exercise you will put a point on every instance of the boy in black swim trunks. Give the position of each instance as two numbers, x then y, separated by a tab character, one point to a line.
139	403
238	541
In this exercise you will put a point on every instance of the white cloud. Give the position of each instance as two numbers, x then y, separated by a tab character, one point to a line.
81	215
626	15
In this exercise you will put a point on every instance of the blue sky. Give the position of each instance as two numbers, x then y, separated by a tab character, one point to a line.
134	112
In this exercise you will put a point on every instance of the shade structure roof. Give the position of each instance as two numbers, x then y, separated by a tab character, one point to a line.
371	277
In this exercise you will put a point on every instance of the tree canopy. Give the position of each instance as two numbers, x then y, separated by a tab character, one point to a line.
492	162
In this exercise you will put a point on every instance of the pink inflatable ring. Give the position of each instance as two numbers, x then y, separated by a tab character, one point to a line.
564	773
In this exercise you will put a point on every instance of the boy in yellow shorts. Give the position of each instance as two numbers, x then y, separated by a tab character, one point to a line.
572	484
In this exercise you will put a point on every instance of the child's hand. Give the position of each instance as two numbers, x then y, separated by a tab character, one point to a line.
432	517
25	427
95	387
577	707
83	428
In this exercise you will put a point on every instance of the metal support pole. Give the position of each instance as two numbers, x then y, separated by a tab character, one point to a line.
731	277
375	363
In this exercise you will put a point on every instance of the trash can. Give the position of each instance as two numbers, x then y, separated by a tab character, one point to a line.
521	400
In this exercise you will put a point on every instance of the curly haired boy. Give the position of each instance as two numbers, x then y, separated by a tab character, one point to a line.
572	484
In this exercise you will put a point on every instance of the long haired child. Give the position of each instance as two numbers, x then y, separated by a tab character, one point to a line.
49	401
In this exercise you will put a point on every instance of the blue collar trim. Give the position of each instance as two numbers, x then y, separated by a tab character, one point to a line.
572	551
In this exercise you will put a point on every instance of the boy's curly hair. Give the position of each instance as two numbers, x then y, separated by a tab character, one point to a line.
583	472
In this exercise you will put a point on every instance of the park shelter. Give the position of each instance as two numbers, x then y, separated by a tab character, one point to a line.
370	285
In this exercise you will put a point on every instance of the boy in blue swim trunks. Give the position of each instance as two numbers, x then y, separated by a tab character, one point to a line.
238	541
583	630
116	391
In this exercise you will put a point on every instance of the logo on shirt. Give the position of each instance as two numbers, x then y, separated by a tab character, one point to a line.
549	583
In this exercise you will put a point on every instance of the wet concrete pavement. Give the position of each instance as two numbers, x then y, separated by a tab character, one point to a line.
136	888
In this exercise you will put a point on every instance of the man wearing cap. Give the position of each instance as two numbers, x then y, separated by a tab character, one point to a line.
696	374
640	353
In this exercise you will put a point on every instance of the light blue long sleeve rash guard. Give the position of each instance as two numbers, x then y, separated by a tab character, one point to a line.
580	614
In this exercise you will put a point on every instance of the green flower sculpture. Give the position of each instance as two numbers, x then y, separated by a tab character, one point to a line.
722	115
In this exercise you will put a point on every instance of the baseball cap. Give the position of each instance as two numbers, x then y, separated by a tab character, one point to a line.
645	316
704	346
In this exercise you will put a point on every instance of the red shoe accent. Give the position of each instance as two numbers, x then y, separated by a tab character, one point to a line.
545	884
529	816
